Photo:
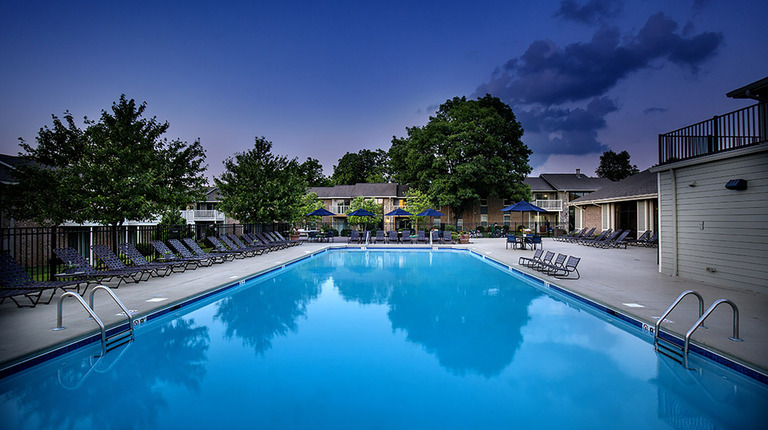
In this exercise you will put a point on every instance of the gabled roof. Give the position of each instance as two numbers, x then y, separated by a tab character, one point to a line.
642	185
574	181
378	190
757	90
9	163
538	185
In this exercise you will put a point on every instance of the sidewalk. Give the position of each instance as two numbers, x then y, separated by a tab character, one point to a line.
618	278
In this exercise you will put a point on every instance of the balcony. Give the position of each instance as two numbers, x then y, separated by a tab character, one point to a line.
193	216
341	209
549	205
737	129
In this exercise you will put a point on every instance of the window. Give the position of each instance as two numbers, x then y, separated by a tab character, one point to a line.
483	207
484	220
460	223
506	219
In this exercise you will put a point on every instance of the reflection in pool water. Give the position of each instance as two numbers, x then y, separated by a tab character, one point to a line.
377	339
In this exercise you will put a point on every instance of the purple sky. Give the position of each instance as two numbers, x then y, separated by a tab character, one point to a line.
320	79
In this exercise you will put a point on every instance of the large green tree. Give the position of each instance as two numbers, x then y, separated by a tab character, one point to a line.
470	150
615	166
312	171
363	166
260	187
115	169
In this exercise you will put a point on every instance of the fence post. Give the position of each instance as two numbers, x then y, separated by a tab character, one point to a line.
52	256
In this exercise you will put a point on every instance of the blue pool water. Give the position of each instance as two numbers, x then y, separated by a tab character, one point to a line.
382	340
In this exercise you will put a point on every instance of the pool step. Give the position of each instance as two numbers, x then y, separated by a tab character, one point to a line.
118	339
671	350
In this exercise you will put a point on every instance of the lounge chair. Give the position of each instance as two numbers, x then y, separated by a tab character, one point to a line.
392	236
113	262
421	237
270	242
169	256
234	240
573	235
565	270
260	240
354	236
78	268
556	264
642	238
16	282
138	260
599	237
536	257
446	238
652	242
219	246
533	263
289	241
606	239
379	237
405	236
616	242
586	235
278	239
435	235
187	255
199	252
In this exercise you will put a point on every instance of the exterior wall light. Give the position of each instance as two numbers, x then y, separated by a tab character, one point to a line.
736	184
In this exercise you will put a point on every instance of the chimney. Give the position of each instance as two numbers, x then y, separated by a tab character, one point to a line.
578	172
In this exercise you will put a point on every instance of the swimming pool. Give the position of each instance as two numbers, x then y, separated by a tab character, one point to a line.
382	339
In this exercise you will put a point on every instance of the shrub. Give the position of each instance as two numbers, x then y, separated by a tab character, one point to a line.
480	229
345	232
450	228
145	248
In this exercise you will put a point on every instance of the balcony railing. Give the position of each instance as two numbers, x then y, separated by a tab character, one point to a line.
550	205
341	209
744	127
192	216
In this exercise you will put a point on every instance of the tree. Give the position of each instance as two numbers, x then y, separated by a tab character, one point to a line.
470	150
615	166
260	187
363	166
416	202
309	202
371	206
116	169
312	171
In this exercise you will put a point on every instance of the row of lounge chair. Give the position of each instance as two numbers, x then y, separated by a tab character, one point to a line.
405	237
610	238
17	285
562	267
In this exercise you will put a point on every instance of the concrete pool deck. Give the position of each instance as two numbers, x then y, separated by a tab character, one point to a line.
626	280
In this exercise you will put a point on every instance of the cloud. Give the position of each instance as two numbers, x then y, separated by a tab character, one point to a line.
653	110
549	74
594	11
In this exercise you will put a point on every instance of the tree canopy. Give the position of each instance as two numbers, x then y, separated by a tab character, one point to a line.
260	187
371	206
312	171
116	169
615	166
363	166
470	150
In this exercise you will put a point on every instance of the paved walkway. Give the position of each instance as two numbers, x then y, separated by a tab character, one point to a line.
620	279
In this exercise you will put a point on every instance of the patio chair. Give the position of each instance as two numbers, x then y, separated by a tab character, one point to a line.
169	256
421	237
187	255
616	242
405	236
16	282
113	262
258	240
599	237
572	235
536	257
233	241
435	235
652	242
511	238
268	240
642	238
566	270
392	236
606	239
199	252
534	240
138	260
576	239
354	236
379	237
551	266
277	239
446	238
289	241
219	246
533	263
78	268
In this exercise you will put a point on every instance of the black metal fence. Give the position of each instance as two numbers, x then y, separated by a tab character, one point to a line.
744	127
33	247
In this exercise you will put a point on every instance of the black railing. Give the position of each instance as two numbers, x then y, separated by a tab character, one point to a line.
33	247
744	127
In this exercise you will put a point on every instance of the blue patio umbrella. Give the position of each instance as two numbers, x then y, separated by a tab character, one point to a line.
431	212
360	212
321	212
399	212
523	206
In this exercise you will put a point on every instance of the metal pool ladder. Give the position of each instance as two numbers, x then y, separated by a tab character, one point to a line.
108	343
680	353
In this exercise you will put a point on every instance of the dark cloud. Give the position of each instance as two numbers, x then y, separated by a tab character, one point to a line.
592	12
700	4
549	74
653	110
565	130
